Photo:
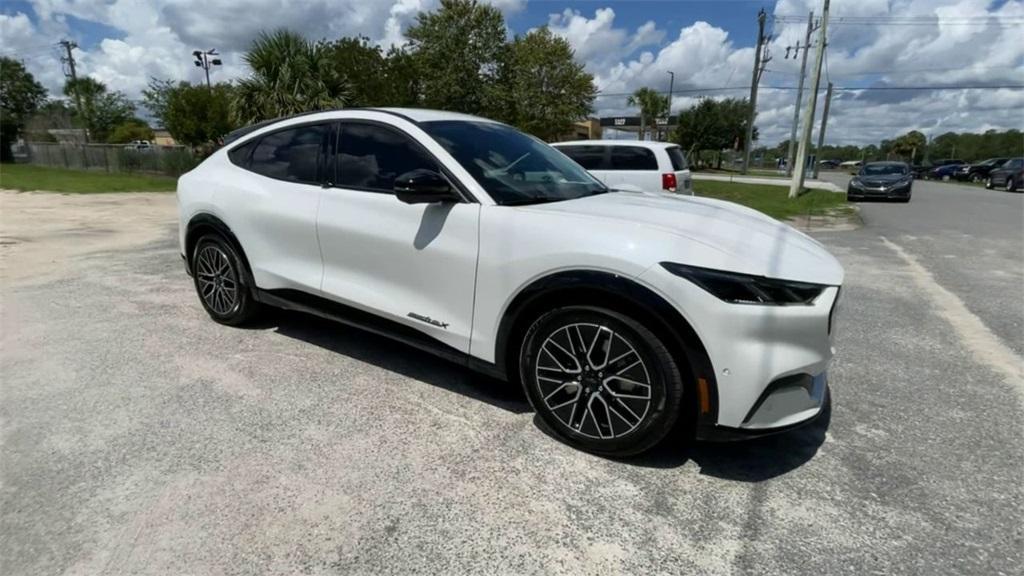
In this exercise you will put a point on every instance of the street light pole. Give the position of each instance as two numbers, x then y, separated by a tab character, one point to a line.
203	60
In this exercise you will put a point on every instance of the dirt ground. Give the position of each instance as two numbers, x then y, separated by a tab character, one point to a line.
41	238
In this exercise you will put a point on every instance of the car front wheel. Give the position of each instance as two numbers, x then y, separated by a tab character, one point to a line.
220	282
601	381
1010	185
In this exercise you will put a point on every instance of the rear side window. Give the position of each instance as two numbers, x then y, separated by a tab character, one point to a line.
239	156
292	155
633	158
370	157
675	154
1013	164
590	157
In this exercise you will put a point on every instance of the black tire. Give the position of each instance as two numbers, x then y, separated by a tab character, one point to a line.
221	282
625	420
976	178
1010	184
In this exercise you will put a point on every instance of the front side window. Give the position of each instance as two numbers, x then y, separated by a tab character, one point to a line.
512	167
633	158
590	157
678	158
370	157
292	154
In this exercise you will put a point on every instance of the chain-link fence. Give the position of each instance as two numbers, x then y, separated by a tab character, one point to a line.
168	160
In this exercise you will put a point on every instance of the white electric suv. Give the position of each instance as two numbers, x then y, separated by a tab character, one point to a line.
620	313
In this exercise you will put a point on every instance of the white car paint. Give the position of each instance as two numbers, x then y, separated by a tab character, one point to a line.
646	180
464	263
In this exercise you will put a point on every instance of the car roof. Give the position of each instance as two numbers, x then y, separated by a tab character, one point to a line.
886	163
641	143
413	114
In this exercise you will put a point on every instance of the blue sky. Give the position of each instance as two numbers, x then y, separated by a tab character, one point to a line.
624	44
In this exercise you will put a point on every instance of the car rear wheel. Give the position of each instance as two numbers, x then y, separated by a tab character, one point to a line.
600	381
976	178
945	177
220	282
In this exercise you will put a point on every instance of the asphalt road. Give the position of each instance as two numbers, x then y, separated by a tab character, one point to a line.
138	437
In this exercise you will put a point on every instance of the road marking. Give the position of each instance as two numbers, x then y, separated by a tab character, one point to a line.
980	341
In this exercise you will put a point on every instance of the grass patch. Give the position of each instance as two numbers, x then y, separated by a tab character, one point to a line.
30	177
774	201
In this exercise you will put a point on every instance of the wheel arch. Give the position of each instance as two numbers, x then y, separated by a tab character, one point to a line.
623	295
204	223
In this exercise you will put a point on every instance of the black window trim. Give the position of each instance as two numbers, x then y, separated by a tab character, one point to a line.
465	196
331	124
606	155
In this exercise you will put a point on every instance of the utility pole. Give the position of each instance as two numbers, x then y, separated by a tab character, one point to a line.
761	58
73	74
204	61
821	131
671	85
801	154
799	92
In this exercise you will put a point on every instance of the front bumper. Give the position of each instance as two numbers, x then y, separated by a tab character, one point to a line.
880	192
768	363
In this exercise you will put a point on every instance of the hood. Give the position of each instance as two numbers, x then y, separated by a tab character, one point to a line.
712	234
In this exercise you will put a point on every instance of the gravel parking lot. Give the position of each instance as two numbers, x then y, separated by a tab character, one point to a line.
139	437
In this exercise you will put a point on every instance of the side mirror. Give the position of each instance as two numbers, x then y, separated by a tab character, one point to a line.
423	187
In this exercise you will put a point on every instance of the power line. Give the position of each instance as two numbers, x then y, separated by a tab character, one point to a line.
835	89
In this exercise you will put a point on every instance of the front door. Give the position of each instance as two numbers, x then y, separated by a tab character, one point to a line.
410	263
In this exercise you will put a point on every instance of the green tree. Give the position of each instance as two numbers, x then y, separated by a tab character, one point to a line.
652	106
155	96
362	66
102	110
547	89
289	75
910	145
20	96
460	49
404	78
196	115
714	125
54	114
134	129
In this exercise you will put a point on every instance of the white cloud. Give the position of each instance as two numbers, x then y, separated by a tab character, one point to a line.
156	38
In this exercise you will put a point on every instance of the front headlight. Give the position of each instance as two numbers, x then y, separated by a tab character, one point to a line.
856	183
739	288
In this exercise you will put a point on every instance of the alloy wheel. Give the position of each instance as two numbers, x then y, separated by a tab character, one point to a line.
218	284
593	380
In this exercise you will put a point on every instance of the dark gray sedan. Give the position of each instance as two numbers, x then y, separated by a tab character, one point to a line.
883	180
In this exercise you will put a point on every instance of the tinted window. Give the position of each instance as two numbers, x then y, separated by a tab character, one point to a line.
1013	164
371	157
675	154
884	169
512	167
291	154
590	157
240	155
633	158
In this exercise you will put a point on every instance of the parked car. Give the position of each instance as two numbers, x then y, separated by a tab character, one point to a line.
829	163
944	169
648	166
978	172
1009	176
886	180
622	314
140	145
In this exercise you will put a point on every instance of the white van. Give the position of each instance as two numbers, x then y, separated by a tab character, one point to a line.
649	166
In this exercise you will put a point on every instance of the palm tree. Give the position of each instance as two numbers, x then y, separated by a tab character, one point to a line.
289	75
652	106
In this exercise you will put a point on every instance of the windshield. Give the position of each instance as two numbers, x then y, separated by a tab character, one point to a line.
883	169
512	167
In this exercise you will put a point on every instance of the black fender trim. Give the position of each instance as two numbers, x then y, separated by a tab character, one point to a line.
566	287
208	222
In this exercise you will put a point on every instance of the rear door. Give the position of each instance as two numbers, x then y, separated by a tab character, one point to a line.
414	264
274	200
636	166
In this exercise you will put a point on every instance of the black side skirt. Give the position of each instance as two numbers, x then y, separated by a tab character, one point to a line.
302	302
